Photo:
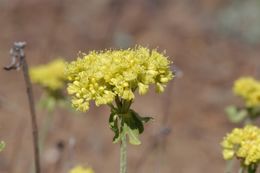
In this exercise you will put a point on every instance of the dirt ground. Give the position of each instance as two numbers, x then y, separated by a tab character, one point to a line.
209	58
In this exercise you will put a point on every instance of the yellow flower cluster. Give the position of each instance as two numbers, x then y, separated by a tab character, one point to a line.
80	169
249	89
50	76
100	76
243	144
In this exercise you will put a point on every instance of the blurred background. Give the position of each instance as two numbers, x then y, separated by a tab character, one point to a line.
212	42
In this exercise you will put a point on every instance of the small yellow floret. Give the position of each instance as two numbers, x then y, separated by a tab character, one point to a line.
249	89
80	169
50	76
101	76
243	144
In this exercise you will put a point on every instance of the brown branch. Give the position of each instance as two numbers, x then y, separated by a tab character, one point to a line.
18	60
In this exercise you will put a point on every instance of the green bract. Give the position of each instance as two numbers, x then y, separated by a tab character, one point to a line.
101	76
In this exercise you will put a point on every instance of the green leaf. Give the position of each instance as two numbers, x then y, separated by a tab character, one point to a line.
133	135
143	119
146	119
117	138
112	121
138	121
113	124
235	115
2	145
132	127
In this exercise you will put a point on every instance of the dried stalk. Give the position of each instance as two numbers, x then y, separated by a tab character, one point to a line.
18	60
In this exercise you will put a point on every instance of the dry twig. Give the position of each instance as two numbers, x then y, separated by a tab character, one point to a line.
18	61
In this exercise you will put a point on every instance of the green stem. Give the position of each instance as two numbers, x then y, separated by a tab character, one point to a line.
118	102
242	169
123	154
45	131
252	168
229	166
123	107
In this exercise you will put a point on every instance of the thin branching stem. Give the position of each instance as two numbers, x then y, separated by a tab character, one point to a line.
33	117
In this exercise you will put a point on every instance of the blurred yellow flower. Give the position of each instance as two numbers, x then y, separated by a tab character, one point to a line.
249	89
243	144
50	76
101	76
80	169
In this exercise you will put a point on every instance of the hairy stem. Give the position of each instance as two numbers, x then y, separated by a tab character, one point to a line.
123	154
123	107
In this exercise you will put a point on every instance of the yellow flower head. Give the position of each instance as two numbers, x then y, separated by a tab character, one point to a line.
243	144
100	76
50	76
249	89
80	169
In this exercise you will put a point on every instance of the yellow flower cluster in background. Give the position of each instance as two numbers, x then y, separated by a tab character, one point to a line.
80	169
249	89
243	144
100	76
50	76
